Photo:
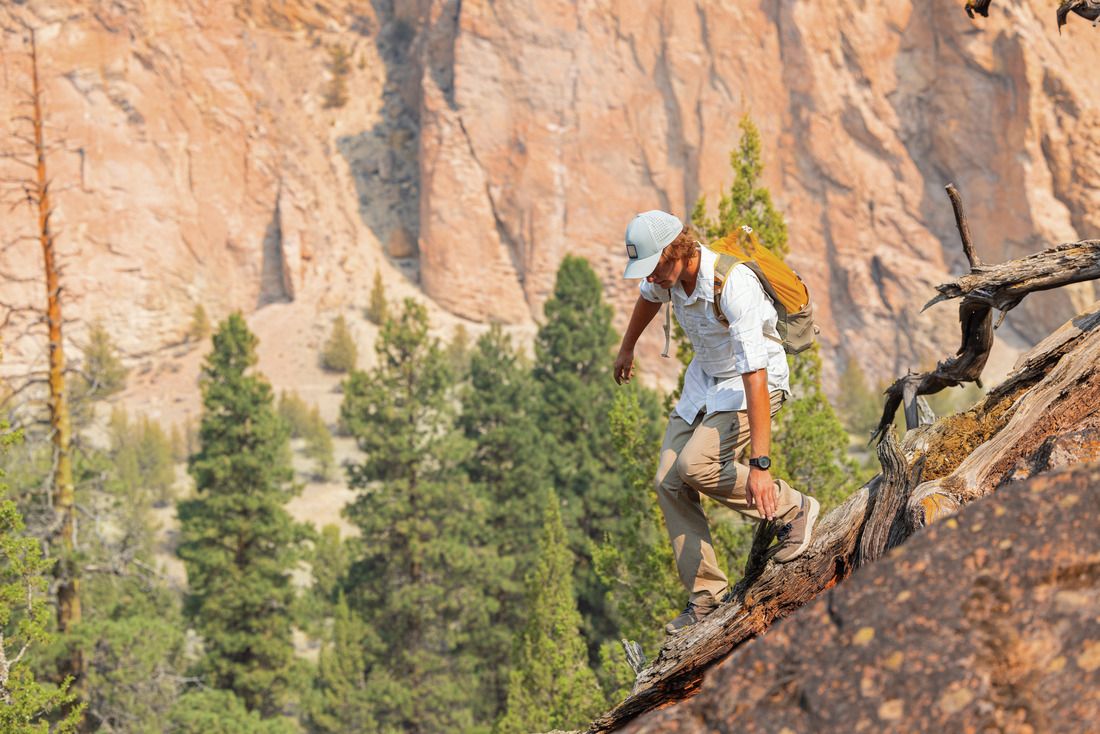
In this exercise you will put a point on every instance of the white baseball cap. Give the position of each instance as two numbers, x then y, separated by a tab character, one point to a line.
647	236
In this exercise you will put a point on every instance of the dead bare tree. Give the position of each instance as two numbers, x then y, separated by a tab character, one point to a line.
37	194
1052	395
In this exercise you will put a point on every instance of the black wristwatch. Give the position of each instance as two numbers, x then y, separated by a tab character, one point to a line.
761	462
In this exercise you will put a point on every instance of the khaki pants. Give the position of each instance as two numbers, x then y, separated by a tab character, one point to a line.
698	458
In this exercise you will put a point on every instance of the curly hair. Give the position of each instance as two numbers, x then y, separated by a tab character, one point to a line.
685	244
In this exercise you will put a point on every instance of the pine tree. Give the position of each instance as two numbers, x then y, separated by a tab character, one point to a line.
215	711
509	466
552	686
28	705
812	445
319	447
636	564
747	202
339	353
341	700
421	564
238	542
199	328
377	309
573	350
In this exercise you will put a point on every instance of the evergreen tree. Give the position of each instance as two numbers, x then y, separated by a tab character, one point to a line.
747	202
636	563
199	328
237	540
339	353
341	700
101	374
215	711
552	686
573	349
377	309
812	445
421	565
509	465
28	705
319	447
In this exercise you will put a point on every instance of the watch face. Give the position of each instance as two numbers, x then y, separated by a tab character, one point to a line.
763	462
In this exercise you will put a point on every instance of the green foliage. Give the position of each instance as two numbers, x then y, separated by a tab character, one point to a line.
458	352
237	540
747	202
572	352
305	422
28	705
421	564
341	700
143	456
338	66
509	466
551	686
636	563
132	638
810	446
339	353
860	406
378	309
319	446
199	328
101	375
213	711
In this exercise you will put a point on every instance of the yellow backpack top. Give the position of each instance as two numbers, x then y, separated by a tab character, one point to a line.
788	293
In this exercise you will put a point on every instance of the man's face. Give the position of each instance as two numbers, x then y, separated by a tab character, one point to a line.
667	271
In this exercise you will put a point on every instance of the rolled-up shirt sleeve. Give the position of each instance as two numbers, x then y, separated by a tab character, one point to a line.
653	294
743	302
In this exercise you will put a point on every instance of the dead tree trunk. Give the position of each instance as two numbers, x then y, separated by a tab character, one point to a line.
1053	392
63	532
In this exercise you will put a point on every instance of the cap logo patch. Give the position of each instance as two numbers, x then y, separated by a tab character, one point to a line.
631	251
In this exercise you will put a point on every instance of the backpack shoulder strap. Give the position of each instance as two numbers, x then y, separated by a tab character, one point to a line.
722	267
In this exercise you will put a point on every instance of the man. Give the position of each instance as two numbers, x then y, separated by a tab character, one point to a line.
737	380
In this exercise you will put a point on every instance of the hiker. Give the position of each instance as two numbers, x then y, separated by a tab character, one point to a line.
737	380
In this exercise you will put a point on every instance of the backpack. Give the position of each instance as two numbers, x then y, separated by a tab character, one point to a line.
788	293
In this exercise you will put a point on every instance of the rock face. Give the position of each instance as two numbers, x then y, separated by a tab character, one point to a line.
483	141
985	622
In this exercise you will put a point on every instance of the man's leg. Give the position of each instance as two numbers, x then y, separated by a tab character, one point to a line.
687	525
707	463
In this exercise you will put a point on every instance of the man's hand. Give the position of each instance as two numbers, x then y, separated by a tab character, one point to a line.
760	492
624	366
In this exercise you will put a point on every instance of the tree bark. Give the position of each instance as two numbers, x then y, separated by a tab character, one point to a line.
66	570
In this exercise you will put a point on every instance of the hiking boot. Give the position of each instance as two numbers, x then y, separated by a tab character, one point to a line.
694	612
794	537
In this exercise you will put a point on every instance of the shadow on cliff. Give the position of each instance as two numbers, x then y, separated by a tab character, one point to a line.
384	160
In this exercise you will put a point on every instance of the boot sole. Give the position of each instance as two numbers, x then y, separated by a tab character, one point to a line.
815	508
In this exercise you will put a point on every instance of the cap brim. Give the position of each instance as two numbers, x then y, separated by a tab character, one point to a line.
641	268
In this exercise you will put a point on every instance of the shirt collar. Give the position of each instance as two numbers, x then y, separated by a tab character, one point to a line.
704	282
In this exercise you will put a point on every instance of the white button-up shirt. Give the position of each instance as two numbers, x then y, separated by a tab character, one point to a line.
713	380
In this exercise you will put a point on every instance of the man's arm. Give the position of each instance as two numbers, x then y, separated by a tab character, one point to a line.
644	311
761	488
